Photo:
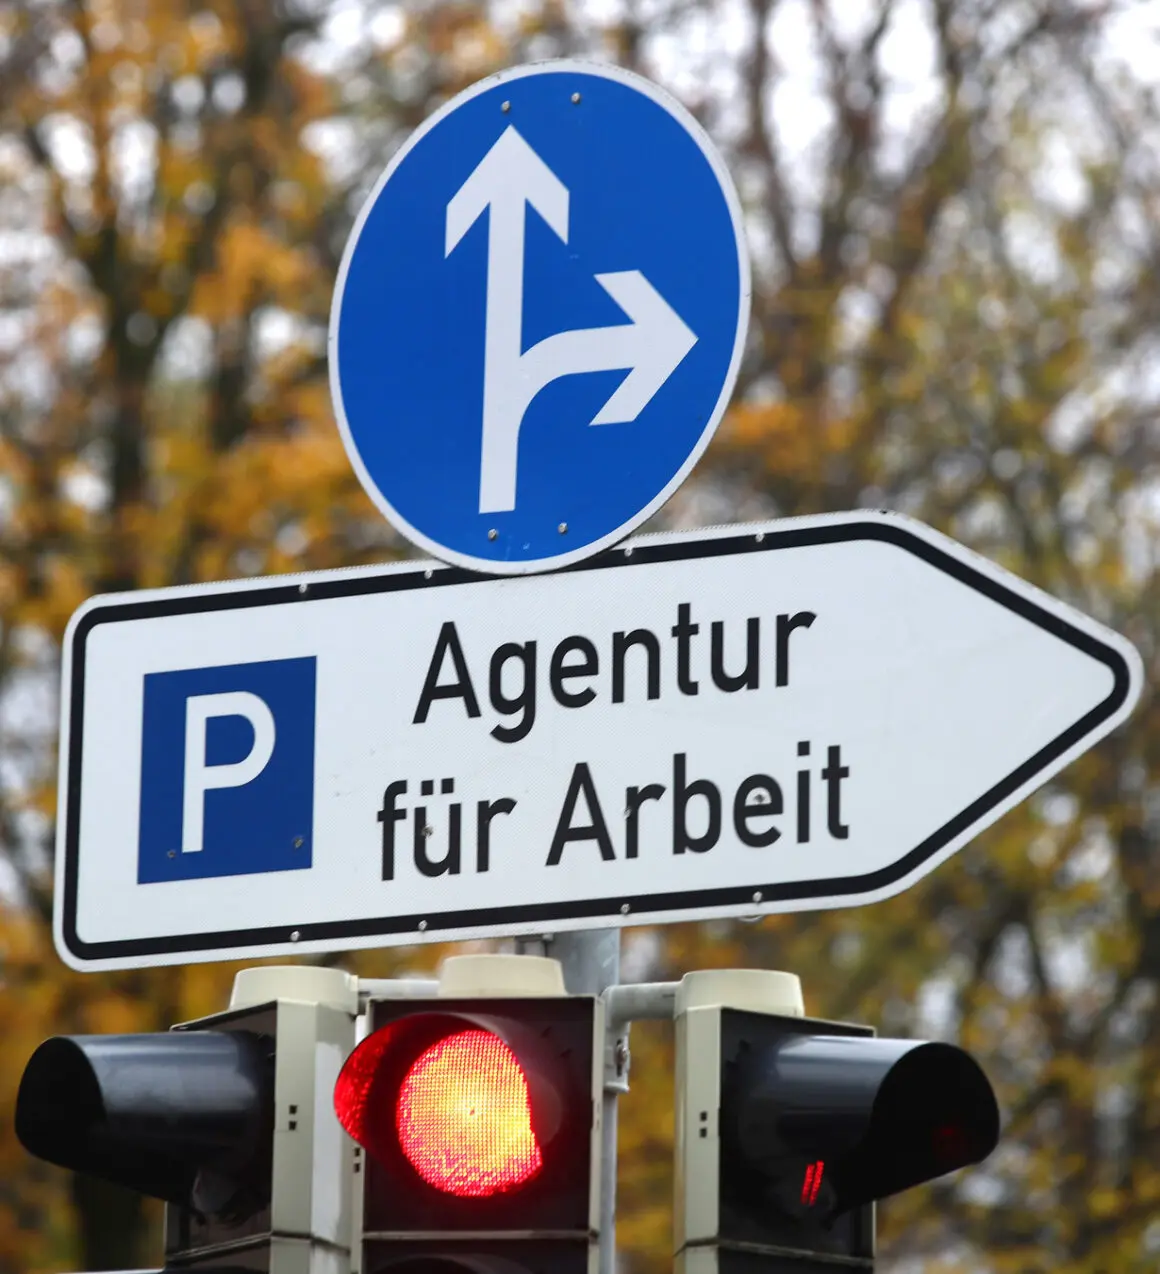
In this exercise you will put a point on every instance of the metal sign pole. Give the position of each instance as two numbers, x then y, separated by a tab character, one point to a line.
591	960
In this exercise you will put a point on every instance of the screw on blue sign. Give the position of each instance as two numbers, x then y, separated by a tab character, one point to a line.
539	317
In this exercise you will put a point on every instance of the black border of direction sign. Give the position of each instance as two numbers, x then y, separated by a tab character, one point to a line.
954	560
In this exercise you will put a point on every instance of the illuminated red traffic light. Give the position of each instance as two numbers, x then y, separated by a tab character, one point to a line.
464	1117
478	1119
453	1103
812	1182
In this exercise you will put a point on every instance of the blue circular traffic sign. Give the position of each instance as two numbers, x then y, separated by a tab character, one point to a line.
539	317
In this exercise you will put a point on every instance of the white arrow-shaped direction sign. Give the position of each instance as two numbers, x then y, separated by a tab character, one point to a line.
510	178
805	714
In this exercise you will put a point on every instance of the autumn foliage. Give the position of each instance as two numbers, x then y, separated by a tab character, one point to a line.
953	210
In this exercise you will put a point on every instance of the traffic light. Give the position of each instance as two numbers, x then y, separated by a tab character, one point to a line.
788	1129
479	1113
225	1119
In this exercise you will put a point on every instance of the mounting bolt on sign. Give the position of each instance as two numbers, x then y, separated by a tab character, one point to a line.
538	317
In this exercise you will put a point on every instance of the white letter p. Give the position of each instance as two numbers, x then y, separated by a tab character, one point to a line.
200	777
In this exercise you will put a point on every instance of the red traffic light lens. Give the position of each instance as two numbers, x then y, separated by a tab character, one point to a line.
451	1099
477	1116
464	1117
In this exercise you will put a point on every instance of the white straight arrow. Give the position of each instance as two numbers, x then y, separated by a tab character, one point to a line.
510	176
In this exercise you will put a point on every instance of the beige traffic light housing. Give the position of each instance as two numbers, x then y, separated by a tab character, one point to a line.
697	1166
309	1016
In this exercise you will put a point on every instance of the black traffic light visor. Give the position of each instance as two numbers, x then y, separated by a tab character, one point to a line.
934	1112
158	1113
871	1116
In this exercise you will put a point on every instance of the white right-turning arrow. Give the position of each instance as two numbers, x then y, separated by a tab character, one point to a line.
651	345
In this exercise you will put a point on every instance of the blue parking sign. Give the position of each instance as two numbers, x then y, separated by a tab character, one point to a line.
539	317
227	771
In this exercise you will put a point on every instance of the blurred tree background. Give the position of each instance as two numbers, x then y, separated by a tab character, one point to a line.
954	212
